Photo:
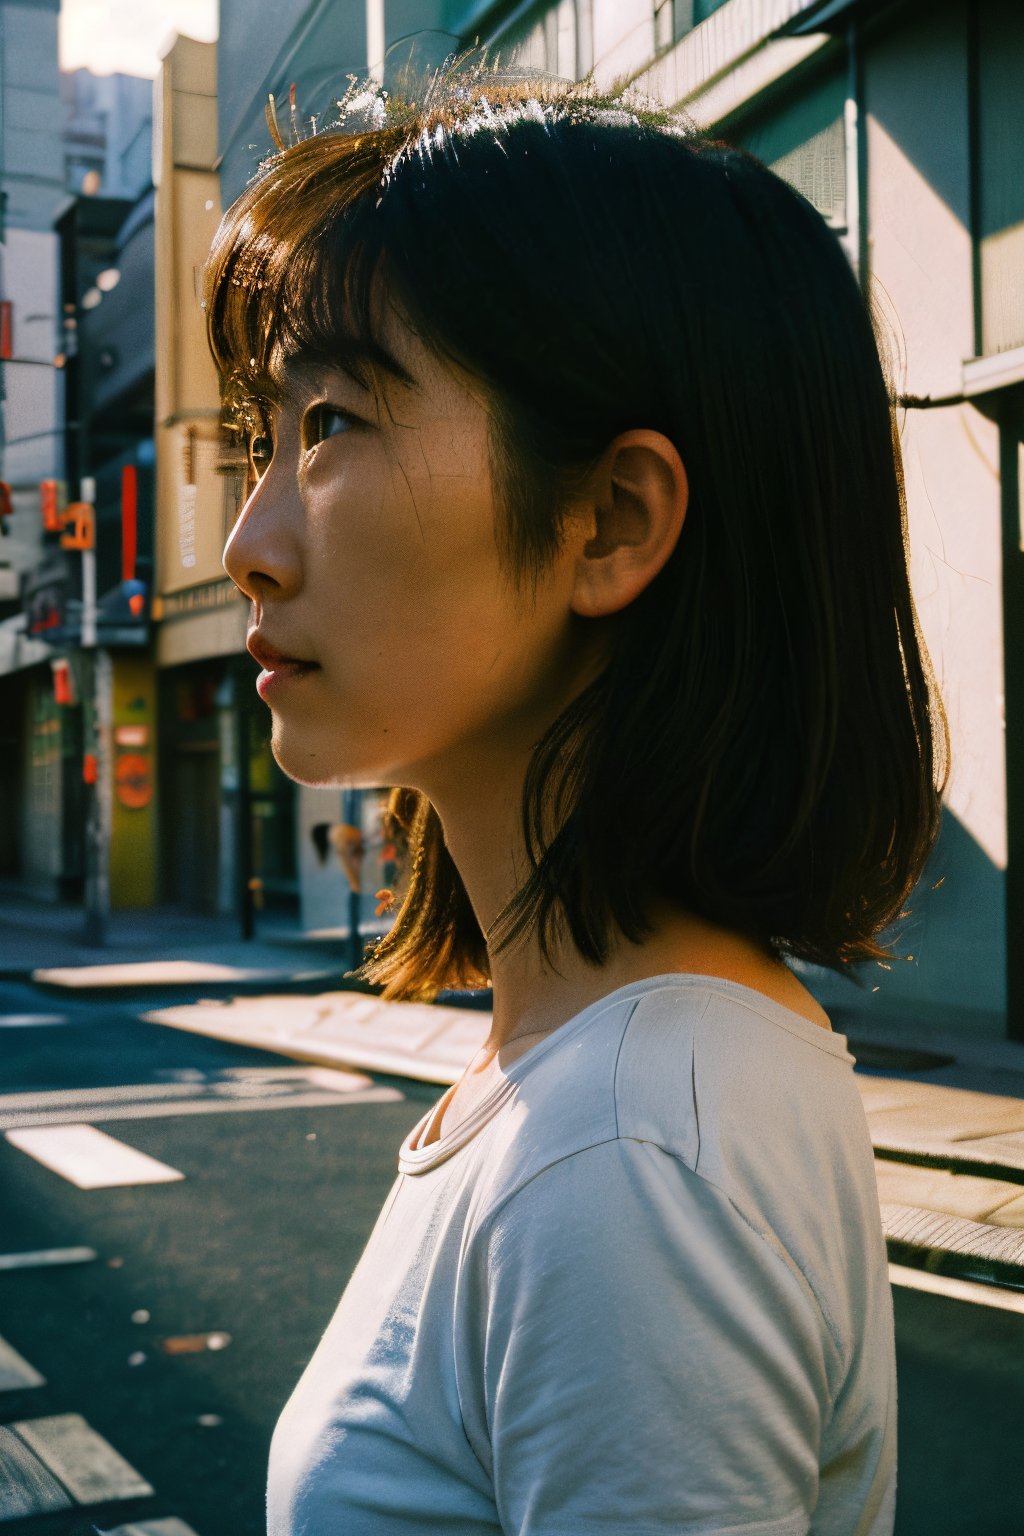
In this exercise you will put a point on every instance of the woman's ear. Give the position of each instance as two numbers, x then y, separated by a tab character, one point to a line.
633	515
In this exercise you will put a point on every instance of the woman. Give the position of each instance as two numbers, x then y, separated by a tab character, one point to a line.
580	517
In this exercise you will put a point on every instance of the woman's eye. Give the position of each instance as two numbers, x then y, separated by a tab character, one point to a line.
322	422
261	451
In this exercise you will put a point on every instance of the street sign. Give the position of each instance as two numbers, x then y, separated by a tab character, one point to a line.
82	518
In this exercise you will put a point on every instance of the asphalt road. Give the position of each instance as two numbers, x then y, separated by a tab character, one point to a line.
245	1256
255	1243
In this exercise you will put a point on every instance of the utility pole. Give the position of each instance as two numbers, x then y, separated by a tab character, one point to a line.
97	709
350	815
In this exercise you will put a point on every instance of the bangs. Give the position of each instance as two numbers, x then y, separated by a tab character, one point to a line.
287	280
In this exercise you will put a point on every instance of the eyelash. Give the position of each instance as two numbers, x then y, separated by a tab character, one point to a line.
314	422
259	445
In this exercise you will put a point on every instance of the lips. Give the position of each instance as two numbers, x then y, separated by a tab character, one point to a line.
281	671
273	660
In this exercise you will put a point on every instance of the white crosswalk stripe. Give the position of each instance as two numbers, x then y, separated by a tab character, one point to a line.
220	1093
15	1372
40	1258
89	1158
169	1527
27	1487
31	1020
86	1464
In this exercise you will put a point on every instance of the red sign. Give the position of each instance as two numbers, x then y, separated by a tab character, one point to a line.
49	505
63	693
133	781
6	329
129	502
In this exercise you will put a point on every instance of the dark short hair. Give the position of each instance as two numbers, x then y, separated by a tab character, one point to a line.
766	746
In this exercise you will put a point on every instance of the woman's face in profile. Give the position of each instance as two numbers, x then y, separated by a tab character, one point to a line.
368	548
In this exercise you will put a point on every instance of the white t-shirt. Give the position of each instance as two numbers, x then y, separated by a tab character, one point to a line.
642	1290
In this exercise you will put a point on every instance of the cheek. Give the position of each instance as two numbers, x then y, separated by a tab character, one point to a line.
433	533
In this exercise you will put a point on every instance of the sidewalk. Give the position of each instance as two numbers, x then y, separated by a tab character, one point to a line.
946	1112
161	946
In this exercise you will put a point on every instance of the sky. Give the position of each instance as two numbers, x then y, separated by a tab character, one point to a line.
127	37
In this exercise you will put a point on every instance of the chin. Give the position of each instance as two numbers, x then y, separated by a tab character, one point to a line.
324	769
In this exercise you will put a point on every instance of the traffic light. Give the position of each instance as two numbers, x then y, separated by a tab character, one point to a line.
122	614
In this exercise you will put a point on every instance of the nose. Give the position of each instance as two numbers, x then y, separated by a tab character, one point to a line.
262	556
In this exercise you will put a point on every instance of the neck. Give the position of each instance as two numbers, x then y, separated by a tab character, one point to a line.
531	997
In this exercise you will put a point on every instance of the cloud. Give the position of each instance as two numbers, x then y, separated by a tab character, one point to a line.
128	36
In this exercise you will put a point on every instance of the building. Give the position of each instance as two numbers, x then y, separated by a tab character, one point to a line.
899	121
896	121
107	132
34	751
77	286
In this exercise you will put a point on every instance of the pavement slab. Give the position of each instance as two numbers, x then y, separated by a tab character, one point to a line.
952	1194
939	1233
936	1113
425	1041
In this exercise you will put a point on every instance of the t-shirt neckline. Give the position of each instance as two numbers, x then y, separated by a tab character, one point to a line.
413	1159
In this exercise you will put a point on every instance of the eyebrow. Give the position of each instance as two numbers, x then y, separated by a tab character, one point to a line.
374	354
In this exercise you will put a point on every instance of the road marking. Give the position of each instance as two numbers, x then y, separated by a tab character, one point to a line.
44	1256
170	1527
30	1020
141	973
90	1158
27	1487
999	1297
87	1465
15	1372
222	1092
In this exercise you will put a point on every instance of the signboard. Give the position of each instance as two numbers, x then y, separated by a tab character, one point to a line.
44	595
50	505
131	735
79	523
133	780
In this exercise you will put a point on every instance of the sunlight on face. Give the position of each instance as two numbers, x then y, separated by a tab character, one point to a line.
368	548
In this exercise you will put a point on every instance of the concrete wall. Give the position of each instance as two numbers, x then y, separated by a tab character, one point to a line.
107	126
266	45
1001	134
31	163
918	209
33	447
30	175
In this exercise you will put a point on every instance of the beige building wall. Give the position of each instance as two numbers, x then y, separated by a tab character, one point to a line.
917	204
195	504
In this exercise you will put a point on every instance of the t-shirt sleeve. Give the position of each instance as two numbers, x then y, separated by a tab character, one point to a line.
637	1357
